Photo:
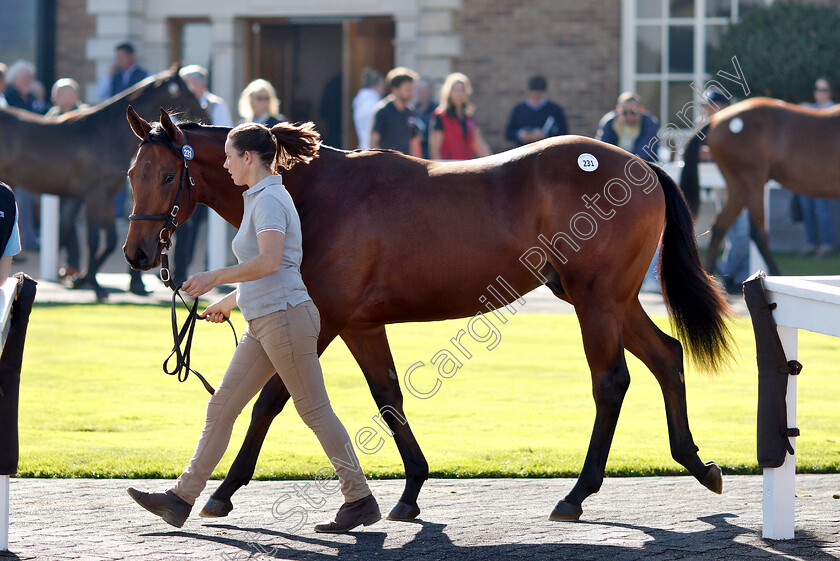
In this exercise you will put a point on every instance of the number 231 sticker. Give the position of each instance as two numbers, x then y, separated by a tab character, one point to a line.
587	162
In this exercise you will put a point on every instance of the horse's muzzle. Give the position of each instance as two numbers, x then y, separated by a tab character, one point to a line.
140	261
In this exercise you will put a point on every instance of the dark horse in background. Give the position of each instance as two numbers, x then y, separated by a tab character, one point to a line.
760	139
388	238
86	153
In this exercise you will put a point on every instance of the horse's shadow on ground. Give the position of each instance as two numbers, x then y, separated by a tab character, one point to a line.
432	541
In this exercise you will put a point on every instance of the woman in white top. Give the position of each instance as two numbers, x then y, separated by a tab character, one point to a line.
283	326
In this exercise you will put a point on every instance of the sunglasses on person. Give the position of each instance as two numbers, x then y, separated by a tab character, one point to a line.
260	98
820	89
629	111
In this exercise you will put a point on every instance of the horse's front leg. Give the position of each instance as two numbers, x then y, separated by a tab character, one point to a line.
369	346
269	404
610	380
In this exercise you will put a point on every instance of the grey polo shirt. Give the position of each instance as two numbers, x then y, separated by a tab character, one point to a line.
268	206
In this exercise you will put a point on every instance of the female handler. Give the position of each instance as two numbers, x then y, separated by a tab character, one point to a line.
283	326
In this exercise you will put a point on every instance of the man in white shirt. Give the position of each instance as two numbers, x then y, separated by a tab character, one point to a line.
364	104
196	79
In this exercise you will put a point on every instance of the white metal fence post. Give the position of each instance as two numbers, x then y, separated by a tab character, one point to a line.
49	237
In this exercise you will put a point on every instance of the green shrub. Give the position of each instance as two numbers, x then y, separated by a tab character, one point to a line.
783	48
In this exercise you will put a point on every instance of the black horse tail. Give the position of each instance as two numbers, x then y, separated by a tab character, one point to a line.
696	305
690	180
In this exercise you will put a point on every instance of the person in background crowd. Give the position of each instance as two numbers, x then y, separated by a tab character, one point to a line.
364	104
39	92
454	135
125	72
282	332
65	98
394	124
630	127
424	107
535	118
3	102
259	103
19	78
816	212
197	80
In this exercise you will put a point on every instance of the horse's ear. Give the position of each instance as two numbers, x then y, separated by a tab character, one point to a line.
168	126
139	125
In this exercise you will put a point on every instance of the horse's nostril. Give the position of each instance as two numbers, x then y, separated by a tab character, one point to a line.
140	259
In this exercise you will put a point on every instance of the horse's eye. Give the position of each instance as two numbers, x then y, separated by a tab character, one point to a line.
168	178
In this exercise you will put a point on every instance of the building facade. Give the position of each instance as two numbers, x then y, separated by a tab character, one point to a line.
588	51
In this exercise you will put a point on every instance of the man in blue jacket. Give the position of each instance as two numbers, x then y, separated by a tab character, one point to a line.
630	127
536	117
125	72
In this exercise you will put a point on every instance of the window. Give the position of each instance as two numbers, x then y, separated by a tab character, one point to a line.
669	45
193	42
17	28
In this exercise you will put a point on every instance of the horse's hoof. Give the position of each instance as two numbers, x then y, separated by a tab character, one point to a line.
215	508
565	512
713	480
404	511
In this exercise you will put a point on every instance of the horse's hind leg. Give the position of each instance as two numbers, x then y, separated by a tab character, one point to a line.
269	404
755	205
369	346
664	356
602	343
722	223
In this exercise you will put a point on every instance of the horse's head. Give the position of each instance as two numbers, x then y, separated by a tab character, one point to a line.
163	189
166	90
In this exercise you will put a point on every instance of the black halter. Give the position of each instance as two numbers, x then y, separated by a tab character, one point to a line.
182	358
186	153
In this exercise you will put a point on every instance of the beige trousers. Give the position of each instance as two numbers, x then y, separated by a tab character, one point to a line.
283	342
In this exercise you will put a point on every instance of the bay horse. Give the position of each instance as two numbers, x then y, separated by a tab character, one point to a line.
388	238
86	153
759	139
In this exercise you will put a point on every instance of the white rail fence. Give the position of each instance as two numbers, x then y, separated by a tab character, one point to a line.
8	292
811	303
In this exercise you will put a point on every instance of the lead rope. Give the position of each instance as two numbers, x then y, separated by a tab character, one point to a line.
185	334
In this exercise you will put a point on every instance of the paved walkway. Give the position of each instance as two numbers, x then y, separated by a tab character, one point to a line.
658	518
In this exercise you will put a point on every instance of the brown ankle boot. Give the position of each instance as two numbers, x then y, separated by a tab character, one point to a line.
173	509
364	511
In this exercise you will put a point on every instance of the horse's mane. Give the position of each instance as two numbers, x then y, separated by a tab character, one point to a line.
130	94
158	136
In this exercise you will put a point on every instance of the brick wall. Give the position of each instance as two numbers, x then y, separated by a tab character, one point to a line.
574	44
73	27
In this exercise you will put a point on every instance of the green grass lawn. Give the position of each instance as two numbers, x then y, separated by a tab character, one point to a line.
94	402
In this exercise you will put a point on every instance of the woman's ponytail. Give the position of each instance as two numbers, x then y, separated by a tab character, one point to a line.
295	144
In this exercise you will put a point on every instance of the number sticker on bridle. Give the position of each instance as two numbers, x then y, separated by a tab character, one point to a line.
187	152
